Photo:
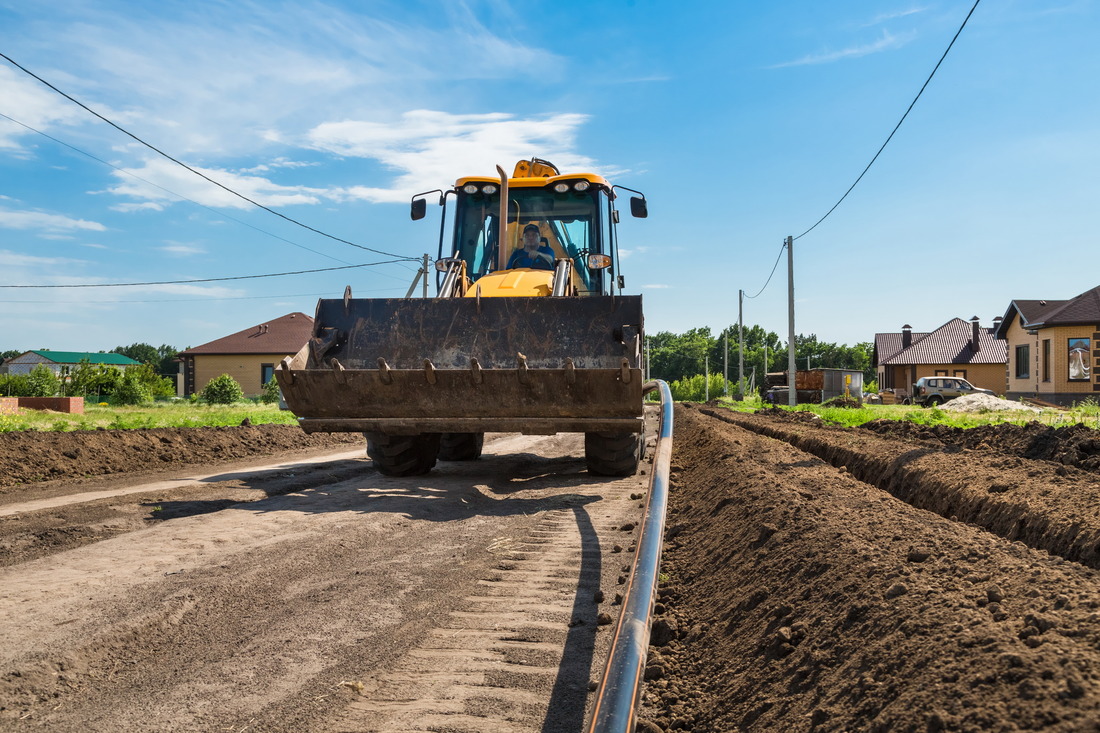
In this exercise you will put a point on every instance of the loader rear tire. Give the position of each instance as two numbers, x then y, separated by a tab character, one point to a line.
403	455
461	446
613	454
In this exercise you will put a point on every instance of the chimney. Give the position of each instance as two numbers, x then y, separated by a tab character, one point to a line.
906	336
976	329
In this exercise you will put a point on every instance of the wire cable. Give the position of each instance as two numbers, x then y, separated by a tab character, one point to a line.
781	249
166	190
196	172
202	280
888	139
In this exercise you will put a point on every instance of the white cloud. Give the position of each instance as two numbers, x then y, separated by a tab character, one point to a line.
18	259
48	223
179	249
887	42
428	147
884	17
146	206
143	182
29	102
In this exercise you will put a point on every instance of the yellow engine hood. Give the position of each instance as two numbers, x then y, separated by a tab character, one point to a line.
513	283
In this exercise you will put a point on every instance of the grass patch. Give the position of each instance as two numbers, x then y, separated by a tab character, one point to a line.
158	415
1086	413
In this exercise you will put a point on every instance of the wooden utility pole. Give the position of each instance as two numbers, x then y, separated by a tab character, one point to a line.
792	368
740	345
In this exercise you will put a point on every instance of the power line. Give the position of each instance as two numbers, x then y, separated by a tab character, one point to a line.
781	248
203	280
192	300
196	172
166	190
907	111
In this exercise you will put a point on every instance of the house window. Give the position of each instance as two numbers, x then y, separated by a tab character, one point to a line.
267	371
960	373
1079	370
941	372
1046	360
1023	356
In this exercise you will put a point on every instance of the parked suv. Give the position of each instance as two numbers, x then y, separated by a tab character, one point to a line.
932	391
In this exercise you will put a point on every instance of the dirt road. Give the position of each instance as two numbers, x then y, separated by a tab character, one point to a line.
314	597
815	578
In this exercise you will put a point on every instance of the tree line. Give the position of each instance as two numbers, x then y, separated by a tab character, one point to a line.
150	379
679	357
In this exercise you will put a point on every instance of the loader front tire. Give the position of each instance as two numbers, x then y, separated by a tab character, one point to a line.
403	455
613	454
461	446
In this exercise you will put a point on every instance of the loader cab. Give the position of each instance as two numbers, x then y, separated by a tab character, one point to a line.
573	214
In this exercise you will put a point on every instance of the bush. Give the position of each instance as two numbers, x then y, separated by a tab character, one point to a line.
223	390
132	390
13	385
271	392
694	389
42	382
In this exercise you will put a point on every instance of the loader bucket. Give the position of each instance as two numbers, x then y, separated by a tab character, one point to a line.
536	365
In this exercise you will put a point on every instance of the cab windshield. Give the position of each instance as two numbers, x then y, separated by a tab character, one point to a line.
568	223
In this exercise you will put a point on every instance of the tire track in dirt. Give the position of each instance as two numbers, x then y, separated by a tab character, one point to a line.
526	644
1041	504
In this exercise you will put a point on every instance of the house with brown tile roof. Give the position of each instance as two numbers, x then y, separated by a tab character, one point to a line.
1053	348
249	356
955	349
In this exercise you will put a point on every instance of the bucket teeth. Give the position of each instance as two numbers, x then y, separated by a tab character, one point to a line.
522	368
384	371
338	371
475	371
570	371
429	371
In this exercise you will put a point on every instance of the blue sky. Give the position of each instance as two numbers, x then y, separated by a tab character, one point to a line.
741	122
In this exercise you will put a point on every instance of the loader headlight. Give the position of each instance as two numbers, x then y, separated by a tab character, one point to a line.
470	188
446	263
561	188
598	262
581	186
489	189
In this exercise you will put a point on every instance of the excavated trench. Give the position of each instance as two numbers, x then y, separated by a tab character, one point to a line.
1045	505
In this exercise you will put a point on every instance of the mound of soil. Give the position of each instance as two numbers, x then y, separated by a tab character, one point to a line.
29	456
1071	445
801	599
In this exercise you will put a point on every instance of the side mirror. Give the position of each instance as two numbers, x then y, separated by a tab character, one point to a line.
420	209
638	208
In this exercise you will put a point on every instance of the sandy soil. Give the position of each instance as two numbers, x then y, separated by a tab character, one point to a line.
313	597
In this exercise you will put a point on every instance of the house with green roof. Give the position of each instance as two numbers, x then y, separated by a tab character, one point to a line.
62	362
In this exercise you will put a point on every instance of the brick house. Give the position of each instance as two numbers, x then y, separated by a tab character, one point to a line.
249	356
955	349
62	363
1053	348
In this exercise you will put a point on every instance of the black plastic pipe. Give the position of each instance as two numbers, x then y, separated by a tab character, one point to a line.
620	689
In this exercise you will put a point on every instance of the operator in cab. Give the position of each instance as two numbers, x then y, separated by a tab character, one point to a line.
533	253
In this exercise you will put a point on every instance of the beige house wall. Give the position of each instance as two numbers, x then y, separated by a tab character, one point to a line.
245	368
1058	381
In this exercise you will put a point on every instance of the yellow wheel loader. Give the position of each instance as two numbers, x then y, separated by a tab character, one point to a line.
529	332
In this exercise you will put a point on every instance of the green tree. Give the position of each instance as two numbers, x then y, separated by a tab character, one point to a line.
42	382
145	353
223	390
10	354
14	385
